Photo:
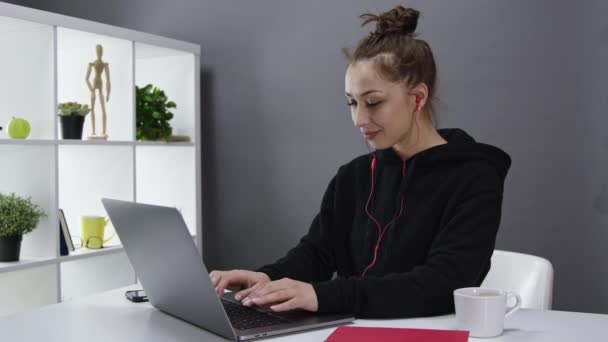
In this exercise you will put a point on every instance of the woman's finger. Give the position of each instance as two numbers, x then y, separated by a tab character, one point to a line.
291	304
215	277
221	286
269	287
244	293
278	296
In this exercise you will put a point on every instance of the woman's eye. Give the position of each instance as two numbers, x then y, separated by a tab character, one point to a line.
350	104
373	104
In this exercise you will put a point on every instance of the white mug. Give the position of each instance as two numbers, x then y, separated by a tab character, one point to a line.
483	311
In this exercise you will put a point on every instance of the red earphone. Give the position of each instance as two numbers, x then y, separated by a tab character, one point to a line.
381	230
418	99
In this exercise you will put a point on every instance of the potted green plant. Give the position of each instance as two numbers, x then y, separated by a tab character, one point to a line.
152	114
72	116
18	216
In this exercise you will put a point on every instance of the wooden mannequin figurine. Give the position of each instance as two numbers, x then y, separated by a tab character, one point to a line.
99	66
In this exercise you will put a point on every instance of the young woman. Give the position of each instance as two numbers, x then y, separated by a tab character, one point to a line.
402	227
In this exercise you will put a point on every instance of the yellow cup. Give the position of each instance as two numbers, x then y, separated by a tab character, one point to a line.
92	231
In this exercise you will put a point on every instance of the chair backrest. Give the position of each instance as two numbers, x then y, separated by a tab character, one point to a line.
528	275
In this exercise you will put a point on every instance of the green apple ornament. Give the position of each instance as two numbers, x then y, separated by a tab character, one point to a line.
18	128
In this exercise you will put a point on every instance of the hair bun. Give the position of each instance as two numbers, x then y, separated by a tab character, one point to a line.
398	20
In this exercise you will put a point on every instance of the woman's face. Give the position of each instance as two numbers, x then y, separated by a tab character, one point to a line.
381	109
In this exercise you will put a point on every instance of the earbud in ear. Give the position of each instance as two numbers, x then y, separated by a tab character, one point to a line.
418	99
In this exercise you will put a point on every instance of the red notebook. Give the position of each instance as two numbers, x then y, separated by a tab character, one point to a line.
364	334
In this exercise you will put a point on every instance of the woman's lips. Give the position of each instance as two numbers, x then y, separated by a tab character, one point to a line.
370	135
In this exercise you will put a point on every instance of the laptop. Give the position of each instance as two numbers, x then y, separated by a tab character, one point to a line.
176	281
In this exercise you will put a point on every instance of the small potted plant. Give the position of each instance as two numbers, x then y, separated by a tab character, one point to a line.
18	216
72	116
152	114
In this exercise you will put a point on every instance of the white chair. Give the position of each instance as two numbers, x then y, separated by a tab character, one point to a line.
528	275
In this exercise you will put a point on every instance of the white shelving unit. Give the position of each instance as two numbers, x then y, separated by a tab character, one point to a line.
43	62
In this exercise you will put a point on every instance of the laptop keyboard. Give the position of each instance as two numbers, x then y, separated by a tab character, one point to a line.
244	318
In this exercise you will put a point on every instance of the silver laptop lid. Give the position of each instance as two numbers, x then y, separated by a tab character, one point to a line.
173	276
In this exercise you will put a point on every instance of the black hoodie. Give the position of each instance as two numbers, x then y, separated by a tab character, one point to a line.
442	241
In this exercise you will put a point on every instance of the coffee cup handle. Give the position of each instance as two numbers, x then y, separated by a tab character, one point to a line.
111	236
515	307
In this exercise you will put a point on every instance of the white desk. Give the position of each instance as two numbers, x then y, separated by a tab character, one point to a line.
110	317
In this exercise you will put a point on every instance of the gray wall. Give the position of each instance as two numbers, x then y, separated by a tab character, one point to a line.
524	75
588	266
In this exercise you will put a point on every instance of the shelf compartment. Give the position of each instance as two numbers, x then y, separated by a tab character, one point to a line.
75	50
89	173
26	142
25	263
165	176
85	253
27	69
164	144
96	142
84	277
29	171
173	72
27	289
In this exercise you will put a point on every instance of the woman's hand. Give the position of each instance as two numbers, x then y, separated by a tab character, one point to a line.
282	295
236	280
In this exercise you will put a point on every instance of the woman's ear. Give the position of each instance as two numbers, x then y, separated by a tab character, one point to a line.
420	93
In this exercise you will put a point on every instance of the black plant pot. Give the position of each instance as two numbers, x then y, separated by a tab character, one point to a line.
10	248
71	126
